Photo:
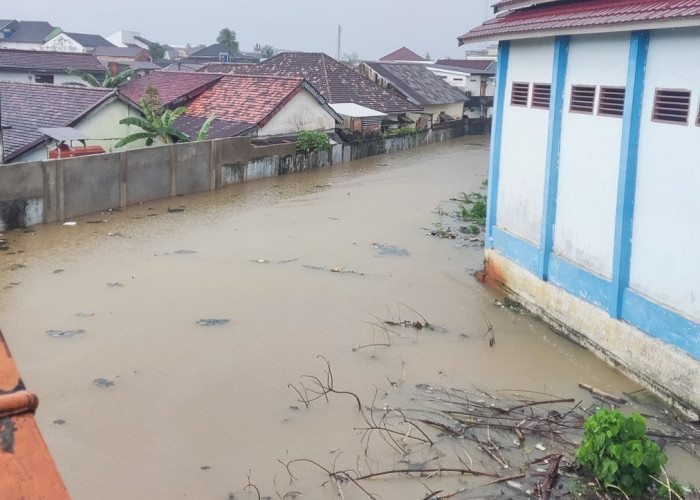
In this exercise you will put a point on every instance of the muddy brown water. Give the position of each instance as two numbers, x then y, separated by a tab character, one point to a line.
142	402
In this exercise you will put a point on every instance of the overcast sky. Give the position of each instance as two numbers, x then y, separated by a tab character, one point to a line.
370	28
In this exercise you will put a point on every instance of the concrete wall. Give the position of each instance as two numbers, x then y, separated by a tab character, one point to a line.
302	112
54	190
63	43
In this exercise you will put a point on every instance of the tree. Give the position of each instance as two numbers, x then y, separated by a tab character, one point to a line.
267	52
427	56
160	126
257	47
110	79
227	38
157	50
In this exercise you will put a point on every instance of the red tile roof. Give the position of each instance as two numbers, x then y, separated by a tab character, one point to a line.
12	59
28	106
174	88
402	54
578	15
336	82
28	471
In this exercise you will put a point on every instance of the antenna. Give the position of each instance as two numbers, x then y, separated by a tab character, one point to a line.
340	29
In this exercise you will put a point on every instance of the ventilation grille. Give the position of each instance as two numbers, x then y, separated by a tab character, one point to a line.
582	99
671	106
540	95
612	101
519	94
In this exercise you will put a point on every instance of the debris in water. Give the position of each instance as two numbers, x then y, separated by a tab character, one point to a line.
390	250
205	467
176	210
84	315
212	322
102	221
261	261
540	447
114	284
58	271
185	252
70	223
59	421
64	333
102	382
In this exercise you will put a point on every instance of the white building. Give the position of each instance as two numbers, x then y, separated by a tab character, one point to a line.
593	206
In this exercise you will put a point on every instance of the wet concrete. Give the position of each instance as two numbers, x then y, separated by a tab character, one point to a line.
282	270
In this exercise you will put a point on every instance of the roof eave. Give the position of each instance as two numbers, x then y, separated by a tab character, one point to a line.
582	30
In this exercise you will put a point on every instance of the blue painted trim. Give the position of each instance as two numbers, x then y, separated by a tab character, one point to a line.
660	322
496	134
580	282
518	250
627	178
551	175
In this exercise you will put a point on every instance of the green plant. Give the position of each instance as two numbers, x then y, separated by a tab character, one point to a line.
110	80
616	448
401	131
310	140
474	229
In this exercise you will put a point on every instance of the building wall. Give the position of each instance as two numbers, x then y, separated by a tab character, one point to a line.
30	76
590	146
523	160
9	44
611	258
63	43
666	230
302	112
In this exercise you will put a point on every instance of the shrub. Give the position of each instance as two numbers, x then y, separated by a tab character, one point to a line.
616	448
310	140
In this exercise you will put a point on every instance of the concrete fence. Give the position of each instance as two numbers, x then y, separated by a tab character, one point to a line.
55	190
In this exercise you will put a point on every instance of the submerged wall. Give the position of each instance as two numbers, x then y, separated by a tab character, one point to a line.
53	190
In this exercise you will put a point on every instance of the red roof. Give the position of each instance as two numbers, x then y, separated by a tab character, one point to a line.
576	16
57	62
245	99
402	54
174	88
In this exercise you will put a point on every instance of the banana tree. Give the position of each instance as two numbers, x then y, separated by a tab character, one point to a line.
110	79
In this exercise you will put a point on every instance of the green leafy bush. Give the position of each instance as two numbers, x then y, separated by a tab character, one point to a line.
616	448
310	140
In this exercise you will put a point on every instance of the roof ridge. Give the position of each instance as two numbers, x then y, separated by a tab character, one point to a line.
325	74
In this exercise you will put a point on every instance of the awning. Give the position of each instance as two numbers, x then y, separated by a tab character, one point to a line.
63	134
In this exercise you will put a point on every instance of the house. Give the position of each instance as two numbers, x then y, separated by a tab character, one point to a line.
24	35
91	113
219	53
475	78
174	88
123	58
440	101
124	38
404	54
62	41
335	82
592	204
46	67
259	106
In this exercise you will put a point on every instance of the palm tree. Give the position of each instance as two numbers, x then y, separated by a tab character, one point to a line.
159	127
227	38
110	80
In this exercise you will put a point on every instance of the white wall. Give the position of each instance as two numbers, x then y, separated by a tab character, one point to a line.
58	79
302	112
590	157
666	232
9	44
524	145
63	43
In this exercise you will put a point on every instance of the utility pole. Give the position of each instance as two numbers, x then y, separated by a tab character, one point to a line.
339	31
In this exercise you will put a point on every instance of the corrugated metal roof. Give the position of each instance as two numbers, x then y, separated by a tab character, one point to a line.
63	133
355	110
570	16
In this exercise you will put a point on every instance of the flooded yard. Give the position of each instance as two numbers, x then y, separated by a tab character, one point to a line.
171	343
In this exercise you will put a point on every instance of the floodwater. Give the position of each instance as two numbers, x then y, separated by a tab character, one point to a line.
144	395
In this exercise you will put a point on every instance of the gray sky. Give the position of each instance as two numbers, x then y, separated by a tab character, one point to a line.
371	28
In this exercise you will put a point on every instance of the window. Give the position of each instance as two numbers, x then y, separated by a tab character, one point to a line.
43	78
540	95
612	101
671	106
582	99
223	57
519	94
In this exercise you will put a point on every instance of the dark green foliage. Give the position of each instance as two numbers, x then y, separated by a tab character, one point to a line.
616	448
310	140
474	208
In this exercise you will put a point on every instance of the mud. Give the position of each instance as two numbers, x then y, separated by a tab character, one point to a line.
301	266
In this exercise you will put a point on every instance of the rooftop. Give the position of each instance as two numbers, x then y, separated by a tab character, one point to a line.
49	61
174	88
402	54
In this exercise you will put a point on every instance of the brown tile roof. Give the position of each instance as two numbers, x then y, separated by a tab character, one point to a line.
402	54
12	59
28	106
336	82
417	83
174	87
28	471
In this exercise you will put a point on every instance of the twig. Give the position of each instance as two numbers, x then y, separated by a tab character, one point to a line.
603	394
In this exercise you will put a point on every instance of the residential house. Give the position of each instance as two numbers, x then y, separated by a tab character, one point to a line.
476	78
592	203
259	106
440	101
91	113
174	88
404	54
46	67
24	35
123	38
122	58
219	53
62	41
336	83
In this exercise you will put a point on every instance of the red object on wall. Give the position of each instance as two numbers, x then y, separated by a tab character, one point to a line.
64	151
